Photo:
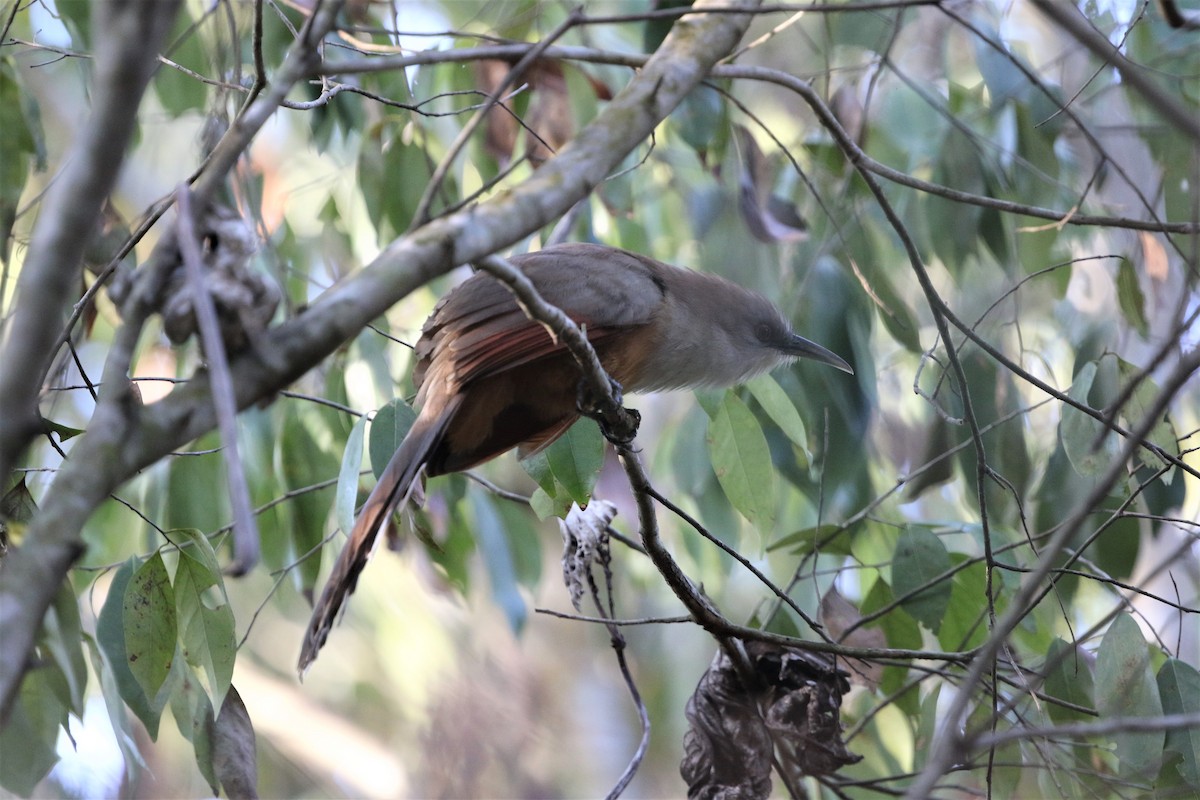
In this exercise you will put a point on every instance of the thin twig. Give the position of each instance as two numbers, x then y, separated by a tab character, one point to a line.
1167	722
1071	20
550	612
421	215
245	530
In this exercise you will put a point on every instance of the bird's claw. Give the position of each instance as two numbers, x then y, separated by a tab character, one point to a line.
624	430
618	424
590	403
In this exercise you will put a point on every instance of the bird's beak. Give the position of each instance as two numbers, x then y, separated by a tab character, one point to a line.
803	348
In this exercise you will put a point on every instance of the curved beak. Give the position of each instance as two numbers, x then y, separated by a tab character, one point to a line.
803	348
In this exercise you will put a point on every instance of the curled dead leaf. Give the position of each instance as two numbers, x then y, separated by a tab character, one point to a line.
791	715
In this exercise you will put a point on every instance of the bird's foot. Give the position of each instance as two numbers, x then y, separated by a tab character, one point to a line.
618	424
591	403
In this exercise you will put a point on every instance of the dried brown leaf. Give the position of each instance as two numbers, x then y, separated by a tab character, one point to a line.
789	714
839	615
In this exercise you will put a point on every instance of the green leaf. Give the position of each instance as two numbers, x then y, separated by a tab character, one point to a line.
868	31
1125	687
21	138
537	466
1139	405
524	543
407	164
347	485
902	632
205	620
821	538
64	432
193	715
110	635
742	461
1130	297
117	714
891	308
545	505
388	429
453	554
77	18
17	504
194	545
148	612
1081	431
547	500
782	411
964	624
304	462
178	91
185	506
1179	687
920	557
575	459
62	638
29	734
699	118
566	471
497	558
1000	70
655	29
957	236
926	728
1069	678
709	400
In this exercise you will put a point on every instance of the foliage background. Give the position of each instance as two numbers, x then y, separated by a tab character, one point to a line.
1051	203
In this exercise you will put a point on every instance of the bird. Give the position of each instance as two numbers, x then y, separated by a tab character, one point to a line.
489	378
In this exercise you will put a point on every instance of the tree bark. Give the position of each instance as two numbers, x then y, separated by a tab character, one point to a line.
126	437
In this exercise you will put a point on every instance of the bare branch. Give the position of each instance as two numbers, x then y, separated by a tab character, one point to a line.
1077	730
421	215
126	439
950	741
245	531
70	210
119	425
1070	19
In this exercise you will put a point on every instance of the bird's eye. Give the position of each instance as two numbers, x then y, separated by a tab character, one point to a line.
762	331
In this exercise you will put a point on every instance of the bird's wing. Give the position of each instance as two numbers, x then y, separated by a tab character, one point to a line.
483	331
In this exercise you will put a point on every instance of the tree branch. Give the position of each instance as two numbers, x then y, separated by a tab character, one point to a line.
951	743
70	209
120	426
1167	722
127	438
1071	20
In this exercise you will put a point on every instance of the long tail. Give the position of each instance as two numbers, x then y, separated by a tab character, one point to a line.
392	488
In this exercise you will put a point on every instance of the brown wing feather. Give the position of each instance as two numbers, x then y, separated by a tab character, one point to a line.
509	348
606	290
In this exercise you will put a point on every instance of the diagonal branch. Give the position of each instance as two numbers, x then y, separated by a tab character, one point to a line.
421	215
1071	20
589	55
70	210
952	743
33	572
126	438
